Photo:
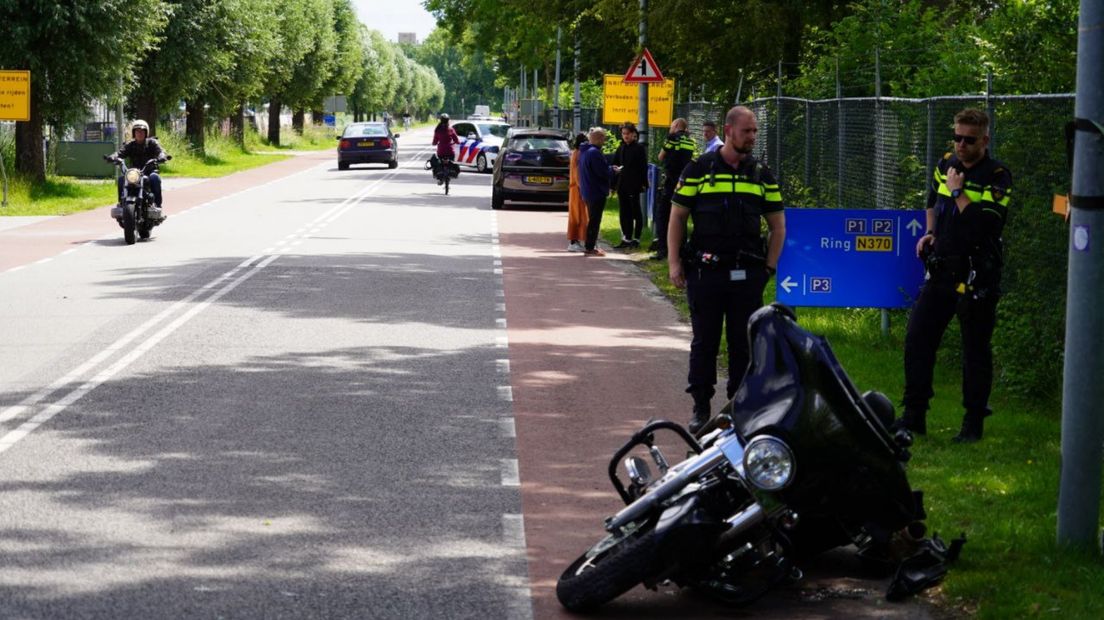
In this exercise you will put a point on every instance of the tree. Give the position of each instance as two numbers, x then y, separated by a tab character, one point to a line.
76	52
295	34
349	61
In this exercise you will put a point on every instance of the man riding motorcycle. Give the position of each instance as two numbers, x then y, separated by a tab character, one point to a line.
139	151
444	137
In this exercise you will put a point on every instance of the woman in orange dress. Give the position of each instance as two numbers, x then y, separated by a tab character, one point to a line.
577	217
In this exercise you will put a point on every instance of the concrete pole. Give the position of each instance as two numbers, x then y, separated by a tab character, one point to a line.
556	87
577	101
1082	389
642	89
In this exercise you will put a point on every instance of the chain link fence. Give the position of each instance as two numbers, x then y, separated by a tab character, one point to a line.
878	153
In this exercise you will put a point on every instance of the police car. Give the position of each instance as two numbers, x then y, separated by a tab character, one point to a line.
480	141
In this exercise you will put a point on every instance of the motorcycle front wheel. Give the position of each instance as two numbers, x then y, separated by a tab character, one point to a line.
128	223
609	569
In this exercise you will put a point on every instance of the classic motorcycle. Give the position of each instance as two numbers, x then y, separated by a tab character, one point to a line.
136	212
799	462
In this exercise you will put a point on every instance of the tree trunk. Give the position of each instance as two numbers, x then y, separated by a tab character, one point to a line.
146	108
317	116
237	125
29	158
274	122
195	125
297	120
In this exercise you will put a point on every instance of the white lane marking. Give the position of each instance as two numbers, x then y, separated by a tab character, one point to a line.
501	342
500	308
50	411
509	429
506	393
500	323
510	475
503	366
513	531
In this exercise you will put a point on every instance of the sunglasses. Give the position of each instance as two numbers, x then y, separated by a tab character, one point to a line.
966	139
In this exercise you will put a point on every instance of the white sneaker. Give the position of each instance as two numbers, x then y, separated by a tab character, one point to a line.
575	246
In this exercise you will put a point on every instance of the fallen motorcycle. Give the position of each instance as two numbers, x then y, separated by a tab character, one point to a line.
136	211
798	463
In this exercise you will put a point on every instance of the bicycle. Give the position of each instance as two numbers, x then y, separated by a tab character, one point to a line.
443	170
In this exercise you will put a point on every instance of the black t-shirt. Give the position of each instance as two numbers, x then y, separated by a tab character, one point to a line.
976	230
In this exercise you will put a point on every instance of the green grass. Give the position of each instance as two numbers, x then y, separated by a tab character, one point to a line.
1002	492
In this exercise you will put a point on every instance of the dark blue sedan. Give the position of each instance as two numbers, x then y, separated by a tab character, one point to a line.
367	143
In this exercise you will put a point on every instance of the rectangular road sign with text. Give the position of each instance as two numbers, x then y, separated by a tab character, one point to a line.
854	258
15	95
621	102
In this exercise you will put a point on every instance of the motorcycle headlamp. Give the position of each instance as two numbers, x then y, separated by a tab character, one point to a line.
133	176
768	463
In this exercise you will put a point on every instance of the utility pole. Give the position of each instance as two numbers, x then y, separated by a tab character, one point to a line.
1082	390
556	88
577	102
642	89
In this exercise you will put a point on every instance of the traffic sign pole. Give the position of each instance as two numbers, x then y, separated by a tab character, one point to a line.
642	98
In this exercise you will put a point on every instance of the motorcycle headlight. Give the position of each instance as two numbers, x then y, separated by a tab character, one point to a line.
768	463
133	176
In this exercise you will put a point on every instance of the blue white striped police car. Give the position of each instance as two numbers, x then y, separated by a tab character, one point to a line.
480	141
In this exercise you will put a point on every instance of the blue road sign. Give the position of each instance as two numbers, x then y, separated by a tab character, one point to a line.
854	258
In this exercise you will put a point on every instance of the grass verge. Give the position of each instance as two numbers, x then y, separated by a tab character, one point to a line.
60	195
1002	492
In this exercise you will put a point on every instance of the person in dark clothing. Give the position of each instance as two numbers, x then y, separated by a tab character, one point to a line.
726	265
443	138
677	151
595	175
631	164
137	152
963	251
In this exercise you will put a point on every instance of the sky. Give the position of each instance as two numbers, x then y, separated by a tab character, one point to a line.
391	17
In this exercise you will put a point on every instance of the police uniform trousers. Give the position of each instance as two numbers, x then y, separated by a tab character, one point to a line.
662	215
938	303
717	302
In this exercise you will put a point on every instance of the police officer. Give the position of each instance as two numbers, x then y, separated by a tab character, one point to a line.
677	151
967	208
726	265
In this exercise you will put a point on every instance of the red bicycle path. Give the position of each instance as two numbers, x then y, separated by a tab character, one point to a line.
44	239
595	352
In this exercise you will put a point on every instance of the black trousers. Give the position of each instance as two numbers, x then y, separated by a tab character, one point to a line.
662	215
718	302
933	311
594	211
632	218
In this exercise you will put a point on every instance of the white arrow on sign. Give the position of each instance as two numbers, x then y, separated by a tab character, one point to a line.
787	284
914	226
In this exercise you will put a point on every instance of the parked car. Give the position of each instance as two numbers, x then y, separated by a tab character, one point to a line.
367	143
533	167
480	141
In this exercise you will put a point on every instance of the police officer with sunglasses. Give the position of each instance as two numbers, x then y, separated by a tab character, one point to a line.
963	254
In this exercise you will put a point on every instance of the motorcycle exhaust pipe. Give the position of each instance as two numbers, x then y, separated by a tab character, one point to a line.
706	461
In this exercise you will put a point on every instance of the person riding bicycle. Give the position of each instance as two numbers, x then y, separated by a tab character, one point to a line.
444	137
139	151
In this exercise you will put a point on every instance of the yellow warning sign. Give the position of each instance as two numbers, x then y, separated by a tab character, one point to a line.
621	102
15	95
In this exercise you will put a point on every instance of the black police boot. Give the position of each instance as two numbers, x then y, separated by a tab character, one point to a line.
701	414
972	424
915	421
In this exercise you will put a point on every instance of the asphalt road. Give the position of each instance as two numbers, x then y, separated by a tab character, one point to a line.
324	394
292	403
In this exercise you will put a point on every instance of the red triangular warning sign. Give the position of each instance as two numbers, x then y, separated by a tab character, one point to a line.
644	70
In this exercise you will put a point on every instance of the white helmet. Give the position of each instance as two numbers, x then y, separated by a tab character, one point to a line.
139	124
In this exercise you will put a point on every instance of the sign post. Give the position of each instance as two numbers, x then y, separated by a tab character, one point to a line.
15	105
851	258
